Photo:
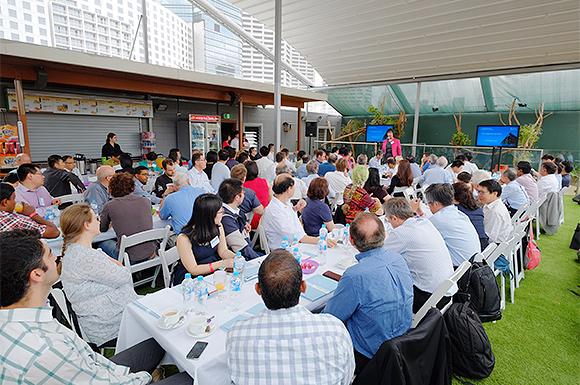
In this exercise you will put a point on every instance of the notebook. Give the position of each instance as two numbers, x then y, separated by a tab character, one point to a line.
312	293
325	284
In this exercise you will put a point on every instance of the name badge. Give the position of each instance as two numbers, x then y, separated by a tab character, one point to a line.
41	202
214	242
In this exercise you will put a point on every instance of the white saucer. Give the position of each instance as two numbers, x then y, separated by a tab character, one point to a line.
174	326
212	329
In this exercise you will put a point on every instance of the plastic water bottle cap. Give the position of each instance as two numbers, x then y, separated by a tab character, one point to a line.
236	273
187	276
324	225
199	278
238	254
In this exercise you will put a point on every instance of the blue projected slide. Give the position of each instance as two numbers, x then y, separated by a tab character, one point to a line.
497	136
377	133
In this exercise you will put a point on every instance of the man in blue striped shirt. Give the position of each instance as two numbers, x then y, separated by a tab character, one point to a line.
374	297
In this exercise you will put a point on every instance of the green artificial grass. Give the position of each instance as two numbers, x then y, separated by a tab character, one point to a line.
537	340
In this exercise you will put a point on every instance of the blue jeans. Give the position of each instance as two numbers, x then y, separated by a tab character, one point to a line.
109	247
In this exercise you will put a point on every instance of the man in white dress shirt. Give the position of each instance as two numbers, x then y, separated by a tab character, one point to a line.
220	171
198	177
548	182
422	246
280	219
468	165
454	226
513	194
338	180
496	217
265	165
375	161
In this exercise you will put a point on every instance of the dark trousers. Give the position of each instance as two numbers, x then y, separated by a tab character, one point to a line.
420	297
145	357
360	361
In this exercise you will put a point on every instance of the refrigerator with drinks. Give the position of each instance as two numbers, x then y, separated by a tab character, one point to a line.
199	132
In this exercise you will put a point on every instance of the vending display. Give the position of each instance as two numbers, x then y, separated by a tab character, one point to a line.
9	146
200	132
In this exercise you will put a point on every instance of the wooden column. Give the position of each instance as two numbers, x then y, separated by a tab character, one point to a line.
299	128
22	116
241	123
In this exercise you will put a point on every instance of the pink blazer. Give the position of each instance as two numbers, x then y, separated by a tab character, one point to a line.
396	146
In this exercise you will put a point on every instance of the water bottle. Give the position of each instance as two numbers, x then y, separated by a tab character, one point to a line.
285	244
297	255
322	249
346	235
56	215
95	207
295	240
235	287
323	233
187	288
200	292
367	210
239	263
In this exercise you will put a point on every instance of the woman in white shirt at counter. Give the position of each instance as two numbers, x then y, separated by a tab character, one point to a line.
98	286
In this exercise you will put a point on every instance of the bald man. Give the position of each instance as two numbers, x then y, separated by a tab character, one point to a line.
289	333
22	158
374	298
97	194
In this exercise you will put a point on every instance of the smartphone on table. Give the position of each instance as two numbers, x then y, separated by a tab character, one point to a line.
196	351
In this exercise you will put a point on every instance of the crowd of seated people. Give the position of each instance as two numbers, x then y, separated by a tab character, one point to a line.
212	214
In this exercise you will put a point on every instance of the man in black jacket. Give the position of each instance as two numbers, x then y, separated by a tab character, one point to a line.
165	179
58	180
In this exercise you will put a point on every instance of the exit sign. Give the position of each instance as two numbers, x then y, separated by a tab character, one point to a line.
227	115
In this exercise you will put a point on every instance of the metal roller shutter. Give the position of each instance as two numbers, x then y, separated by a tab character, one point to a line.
70	134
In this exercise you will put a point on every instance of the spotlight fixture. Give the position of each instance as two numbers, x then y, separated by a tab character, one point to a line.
434	108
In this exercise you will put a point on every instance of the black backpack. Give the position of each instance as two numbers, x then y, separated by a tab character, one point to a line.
479	288
471	352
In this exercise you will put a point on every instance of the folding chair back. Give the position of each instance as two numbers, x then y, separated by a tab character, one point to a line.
136	239
408	192
72	198
263	240
519	215
441	290
168	260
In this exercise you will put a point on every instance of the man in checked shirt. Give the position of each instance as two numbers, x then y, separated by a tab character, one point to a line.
286	343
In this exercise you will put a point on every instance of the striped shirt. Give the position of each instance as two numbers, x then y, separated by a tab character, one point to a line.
290	346
36	349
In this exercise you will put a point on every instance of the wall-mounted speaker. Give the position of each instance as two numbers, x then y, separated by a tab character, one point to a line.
311	129
41	79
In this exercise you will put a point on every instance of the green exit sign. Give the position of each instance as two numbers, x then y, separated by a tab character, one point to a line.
227	116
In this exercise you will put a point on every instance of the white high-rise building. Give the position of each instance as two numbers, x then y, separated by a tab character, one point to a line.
102	27
257	67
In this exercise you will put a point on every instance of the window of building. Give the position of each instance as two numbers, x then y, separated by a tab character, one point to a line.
40	8
41	21
12	2
12	13
13	25
30	39
216	27
26	5
28	28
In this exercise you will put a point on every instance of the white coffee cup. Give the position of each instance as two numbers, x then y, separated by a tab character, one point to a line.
170	317
197	325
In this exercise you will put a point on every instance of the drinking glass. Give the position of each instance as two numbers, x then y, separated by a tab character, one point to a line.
219	282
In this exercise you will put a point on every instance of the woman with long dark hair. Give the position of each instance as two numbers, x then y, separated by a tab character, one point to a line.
373	185
202	243
463	199
403	177
111	147
391	146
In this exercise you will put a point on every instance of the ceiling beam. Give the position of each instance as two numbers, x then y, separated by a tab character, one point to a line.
401	98
487	93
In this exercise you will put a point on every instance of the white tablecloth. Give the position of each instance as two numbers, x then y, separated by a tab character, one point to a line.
56	243
139	323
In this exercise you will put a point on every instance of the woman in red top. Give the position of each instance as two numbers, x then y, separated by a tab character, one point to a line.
391	146
259	186
356	198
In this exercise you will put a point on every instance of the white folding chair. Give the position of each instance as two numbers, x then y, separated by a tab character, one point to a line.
536	216
60	300
408	192
168	261
488	250
441	290
490	260
263	239
71	198
136	239
518	253
519	215
561	195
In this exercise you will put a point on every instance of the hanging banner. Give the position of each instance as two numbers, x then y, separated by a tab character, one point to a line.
81	105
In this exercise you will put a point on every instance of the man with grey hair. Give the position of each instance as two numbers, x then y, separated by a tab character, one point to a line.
454	226
97	194
513	194
312	172
179	205
362	159
301	188
422	246
374	298
436	173
329	165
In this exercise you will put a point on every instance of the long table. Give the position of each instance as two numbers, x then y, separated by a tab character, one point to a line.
140	319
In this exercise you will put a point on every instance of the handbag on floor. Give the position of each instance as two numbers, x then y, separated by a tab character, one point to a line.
575	242
533	253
